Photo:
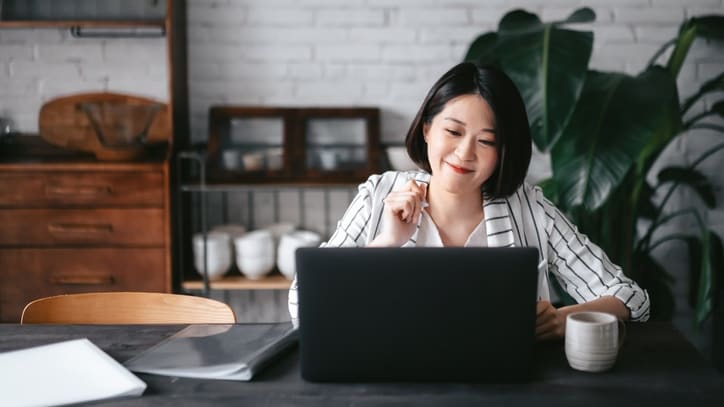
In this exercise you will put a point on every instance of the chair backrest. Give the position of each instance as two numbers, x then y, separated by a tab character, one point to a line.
126	308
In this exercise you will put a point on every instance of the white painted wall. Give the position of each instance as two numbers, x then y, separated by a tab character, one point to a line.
382	53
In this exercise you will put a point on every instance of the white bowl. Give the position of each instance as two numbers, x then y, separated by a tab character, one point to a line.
289	244
399	160
255	268
231	229
218	254
280	229
255	244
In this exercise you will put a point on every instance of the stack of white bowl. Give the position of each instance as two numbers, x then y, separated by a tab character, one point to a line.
231	229
255	253
288	245
218	254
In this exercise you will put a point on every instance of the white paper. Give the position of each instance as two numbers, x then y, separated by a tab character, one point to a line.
63	373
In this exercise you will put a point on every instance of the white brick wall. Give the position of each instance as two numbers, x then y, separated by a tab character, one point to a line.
37	65
383	53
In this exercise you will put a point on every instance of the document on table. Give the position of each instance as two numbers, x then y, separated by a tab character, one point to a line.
222	352
62	373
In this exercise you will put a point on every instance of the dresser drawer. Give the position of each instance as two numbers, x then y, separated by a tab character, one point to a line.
27	274
37	189
92	227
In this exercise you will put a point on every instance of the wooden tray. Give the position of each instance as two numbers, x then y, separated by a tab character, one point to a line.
63	124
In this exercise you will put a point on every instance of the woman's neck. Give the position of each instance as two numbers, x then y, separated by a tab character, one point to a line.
454	214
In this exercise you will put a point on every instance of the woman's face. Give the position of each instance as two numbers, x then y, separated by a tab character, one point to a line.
461	144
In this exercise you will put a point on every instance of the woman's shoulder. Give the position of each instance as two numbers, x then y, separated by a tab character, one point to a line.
530	193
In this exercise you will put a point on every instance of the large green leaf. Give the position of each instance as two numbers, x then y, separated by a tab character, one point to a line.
657	281
712	260
646	207
548	65
715	84
709	27
716	110
694	179
482	50
617	118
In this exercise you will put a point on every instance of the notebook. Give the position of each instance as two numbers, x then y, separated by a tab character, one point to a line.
217	351
417	314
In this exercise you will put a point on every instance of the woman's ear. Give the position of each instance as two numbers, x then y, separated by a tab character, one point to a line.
425	129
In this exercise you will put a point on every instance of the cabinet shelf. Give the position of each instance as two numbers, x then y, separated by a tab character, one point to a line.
263	185
81	23
274	281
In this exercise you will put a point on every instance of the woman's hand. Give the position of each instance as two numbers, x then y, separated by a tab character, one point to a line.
550	322
402	211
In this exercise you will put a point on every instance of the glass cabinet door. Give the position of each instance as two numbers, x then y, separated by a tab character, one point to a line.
251	144
336	144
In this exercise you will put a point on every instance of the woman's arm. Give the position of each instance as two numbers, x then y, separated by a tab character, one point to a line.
584	270
551	322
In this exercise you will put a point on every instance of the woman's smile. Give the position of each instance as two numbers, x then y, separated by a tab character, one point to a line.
457	169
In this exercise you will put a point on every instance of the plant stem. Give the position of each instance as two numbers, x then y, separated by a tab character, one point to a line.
677	236
661	50
696	118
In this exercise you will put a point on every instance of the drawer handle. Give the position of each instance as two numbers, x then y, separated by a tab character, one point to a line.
87	228
81	191
70	279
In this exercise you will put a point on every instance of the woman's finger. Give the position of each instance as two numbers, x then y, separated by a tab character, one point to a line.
405	204
548	326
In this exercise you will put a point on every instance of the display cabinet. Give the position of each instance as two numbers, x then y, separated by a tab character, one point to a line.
261	145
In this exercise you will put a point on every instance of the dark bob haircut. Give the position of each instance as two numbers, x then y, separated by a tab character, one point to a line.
512	135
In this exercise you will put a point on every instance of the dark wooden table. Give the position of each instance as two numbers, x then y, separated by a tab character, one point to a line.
656	367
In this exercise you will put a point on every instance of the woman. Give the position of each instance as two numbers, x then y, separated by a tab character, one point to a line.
471	138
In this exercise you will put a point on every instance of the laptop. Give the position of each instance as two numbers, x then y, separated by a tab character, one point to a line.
417	314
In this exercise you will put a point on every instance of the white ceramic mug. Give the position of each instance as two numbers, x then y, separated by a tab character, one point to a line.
289	244
593	340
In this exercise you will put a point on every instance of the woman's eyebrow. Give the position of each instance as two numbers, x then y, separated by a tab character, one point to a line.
484	130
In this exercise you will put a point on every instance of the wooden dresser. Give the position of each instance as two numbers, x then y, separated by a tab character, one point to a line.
73	224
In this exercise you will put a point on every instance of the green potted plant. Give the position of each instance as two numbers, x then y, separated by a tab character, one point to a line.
604	131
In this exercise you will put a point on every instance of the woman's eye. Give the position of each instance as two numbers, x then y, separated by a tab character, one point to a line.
489	143
453	132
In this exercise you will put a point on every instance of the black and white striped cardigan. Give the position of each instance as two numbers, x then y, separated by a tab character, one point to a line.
526	218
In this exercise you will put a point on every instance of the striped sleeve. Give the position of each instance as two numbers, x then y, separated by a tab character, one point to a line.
353	228
583	269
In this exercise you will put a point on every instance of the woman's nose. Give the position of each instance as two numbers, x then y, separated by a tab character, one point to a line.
465	150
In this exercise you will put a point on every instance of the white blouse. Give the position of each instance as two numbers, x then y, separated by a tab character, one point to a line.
526	218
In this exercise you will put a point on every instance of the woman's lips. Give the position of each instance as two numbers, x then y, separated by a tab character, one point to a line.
459	170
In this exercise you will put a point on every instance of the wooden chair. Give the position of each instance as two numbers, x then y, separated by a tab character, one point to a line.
126	308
